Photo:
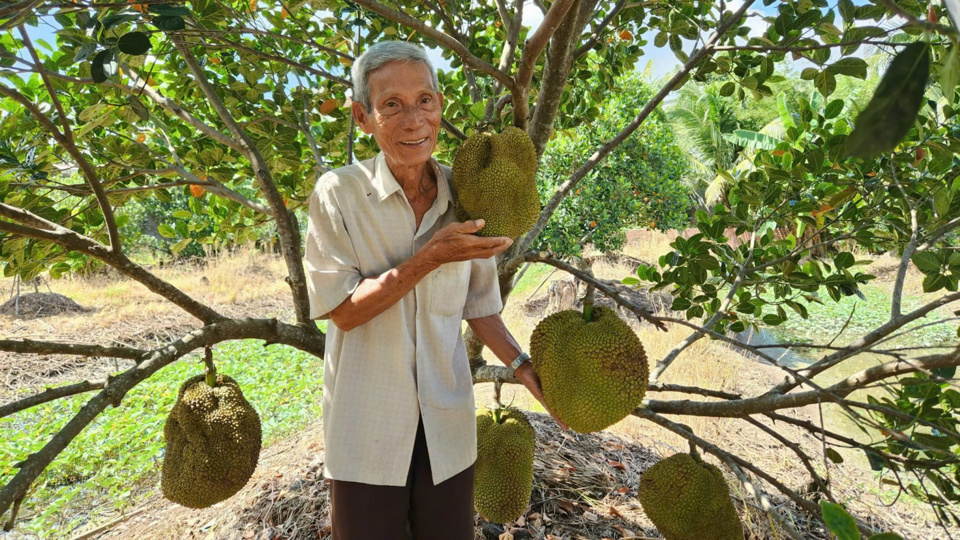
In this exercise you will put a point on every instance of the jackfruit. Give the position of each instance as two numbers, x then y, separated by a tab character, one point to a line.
593	374
494	177
503	475
688	499
213	441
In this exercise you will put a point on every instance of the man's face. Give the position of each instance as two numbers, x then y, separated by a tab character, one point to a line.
405	113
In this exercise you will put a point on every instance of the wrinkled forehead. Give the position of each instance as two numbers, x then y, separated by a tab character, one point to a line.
400	77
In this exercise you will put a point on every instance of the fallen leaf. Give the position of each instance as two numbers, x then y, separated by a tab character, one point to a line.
624	489
506	536
614	512
567	506
617	465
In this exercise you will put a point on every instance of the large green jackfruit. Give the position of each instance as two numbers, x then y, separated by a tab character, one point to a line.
503	475
593	373
213	443
688	499
495	179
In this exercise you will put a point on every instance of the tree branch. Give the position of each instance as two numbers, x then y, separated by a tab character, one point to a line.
770	402
554	202
50	394
287	227
535	44
444	39
68	144
29	346
299	336
74	241
665	362
598	30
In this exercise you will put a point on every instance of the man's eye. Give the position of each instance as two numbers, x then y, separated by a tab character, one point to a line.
427	99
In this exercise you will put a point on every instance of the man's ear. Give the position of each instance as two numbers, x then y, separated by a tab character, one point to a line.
361	117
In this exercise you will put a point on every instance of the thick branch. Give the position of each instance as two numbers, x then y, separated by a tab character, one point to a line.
287	227
270	330
865	341
610	145
771	402
29	346
897	295
76	242
535	44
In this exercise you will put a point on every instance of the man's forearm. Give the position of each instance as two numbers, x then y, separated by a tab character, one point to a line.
494	334
374	295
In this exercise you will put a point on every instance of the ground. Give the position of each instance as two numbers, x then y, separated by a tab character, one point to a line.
584	484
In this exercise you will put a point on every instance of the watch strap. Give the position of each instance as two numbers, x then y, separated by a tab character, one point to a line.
518	361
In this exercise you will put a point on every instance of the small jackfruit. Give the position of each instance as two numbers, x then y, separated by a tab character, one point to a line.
593	373
213	443
503	475
688	499
494	177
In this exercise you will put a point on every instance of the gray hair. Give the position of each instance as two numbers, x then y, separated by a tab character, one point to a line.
376	56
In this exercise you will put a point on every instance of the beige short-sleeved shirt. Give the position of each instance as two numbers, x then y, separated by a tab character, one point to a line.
410	360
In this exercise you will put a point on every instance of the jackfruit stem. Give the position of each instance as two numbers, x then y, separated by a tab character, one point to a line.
588	303
211	370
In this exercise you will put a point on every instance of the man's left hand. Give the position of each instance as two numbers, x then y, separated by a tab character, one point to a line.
526	375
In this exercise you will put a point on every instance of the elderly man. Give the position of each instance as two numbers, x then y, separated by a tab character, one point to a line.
394	271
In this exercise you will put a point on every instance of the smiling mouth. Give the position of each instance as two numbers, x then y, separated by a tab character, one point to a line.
413	143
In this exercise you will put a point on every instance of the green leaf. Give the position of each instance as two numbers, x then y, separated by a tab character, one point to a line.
752	139
134	43
809	73
785	117
166	230
727	89
877	462
169	23
104	65
840	522
851	67
680	304
84	52
630	281
895	105
661	39
183	214
168	9
91	112
949	74
772	320
843	260
834	455
178	247
833	109
826	82
927	262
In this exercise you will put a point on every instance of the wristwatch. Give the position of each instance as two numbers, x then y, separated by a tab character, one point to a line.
518	361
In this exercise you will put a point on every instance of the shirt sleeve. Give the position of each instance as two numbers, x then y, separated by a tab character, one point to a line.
332	265
483	296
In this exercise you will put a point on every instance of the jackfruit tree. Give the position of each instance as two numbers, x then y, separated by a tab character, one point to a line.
232	109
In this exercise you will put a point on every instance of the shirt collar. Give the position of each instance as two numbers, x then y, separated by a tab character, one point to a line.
386	184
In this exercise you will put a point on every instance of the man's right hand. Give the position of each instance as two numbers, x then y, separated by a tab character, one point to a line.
456	242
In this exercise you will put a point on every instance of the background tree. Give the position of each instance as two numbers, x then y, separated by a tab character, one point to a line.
246	100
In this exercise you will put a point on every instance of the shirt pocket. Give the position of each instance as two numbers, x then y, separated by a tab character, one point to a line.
447	289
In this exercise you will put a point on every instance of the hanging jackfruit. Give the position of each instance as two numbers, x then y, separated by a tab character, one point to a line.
213	443
593	373
494	177
504	468
688	499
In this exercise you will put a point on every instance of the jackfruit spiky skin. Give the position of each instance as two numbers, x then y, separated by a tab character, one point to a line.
503	475
593	373
688	499
213	443
494	177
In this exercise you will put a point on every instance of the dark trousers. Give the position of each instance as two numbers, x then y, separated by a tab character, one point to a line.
419	510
